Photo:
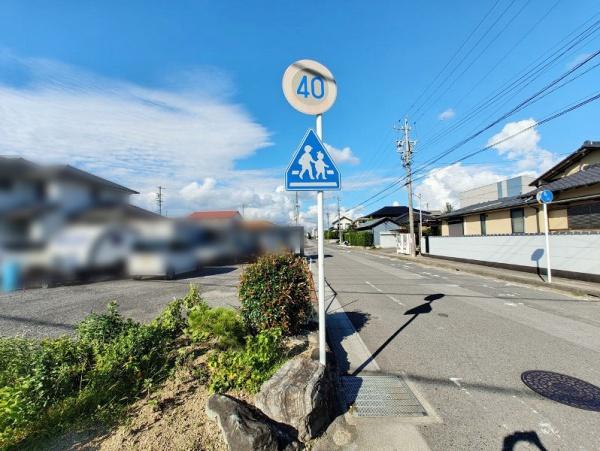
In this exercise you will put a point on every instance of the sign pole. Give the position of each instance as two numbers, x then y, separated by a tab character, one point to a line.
321	255
548	268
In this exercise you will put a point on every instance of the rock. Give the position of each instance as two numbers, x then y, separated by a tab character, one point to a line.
246	429
302	395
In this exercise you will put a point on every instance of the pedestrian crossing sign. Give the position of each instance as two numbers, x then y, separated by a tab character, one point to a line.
312	168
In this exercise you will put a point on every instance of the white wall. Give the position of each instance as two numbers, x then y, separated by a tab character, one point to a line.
569	252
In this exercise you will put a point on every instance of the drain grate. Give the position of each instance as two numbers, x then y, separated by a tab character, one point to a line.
381	395
564	389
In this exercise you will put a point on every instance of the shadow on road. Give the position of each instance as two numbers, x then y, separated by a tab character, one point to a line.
530	437
415	312
338	320
38	322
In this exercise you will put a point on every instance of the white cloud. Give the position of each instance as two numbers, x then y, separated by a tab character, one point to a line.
341	156
445	184
395	203
446	114
521	155
523	149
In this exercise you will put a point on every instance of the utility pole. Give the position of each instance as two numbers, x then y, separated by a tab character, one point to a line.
327	219
405	149
339	221
159	199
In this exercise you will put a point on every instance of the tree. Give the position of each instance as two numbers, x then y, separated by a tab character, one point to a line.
449	207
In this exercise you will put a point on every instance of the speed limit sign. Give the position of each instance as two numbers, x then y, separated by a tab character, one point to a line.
309	87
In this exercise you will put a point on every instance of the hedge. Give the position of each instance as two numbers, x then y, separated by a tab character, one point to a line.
364	239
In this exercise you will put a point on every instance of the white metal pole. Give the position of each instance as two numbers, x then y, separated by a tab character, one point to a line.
321	255
548	268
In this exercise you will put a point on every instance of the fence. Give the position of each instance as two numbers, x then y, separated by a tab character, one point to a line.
577	253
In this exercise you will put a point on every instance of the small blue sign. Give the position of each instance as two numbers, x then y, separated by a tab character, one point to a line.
545	197
312	168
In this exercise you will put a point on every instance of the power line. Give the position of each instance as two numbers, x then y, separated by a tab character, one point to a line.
512	111
524	79
453	56
398	184
489	29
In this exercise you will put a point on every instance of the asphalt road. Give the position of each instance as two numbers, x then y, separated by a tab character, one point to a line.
53	312
464	341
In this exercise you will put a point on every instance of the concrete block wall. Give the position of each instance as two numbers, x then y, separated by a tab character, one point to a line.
573	252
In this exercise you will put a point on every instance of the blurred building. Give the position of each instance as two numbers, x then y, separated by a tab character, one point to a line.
217	217
37	201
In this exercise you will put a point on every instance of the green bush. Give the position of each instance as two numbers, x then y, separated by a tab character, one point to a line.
47	386
275	292
221	324
354	238
330	234
248	368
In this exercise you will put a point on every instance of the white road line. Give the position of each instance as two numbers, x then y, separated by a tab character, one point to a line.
394	299
373	286
456	381
397	301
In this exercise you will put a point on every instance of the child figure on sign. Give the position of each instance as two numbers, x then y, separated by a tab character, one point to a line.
320	166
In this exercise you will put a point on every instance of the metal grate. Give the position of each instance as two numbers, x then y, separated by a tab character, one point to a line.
382	395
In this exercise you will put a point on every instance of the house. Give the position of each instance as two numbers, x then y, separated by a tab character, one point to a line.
376	227
217	218
384	212
575	182
37	201
509	231
344	223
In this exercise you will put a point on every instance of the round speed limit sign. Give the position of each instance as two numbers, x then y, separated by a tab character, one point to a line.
309	87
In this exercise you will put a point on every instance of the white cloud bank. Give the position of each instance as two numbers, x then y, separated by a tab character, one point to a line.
521	153
184	138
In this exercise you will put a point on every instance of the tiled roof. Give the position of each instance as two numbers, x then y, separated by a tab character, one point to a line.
585	177
218	214
372	223
507	202
586	148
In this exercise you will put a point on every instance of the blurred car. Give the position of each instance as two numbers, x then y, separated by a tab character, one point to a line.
163	250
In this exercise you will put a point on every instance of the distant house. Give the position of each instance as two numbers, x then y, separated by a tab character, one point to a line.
376	227
217	217
37	201
344	223
575	182
384	212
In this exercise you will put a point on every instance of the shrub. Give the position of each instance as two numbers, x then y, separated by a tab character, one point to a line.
50	385
330	234
354	238
248	368
275	292
224	325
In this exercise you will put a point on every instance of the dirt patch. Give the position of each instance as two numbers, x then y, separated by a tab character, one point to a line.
174	417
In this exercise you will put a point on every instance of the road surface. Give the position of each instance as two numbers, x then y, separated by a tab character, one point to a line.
56	311
464	341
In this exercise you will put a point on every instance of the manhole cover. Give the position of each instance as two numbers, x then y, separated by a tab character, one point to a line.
380	395
564	389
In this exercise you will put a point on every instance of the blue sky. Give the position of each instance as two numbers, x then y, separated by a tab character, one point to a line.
188	94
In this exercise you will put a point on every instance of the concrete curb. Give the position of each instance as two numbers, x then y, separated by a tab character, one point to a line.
590	294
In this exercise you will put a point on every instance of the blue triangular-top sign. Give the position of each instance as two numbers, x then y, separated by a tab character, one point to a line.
312	168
